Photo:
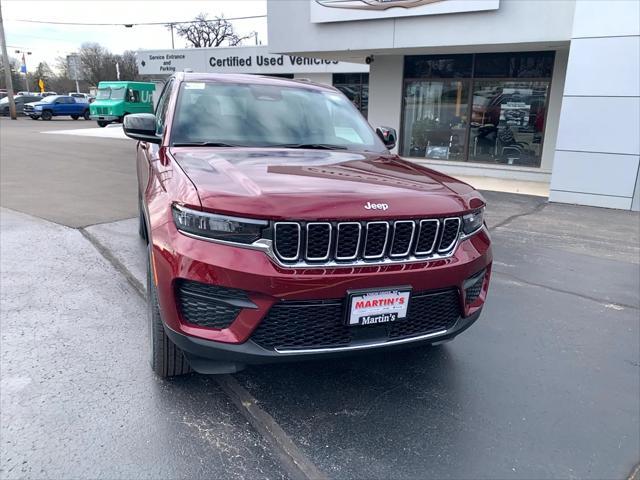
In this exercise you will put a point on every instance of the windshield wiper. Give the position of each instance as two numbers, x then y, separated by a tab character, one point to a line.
312	146
204	144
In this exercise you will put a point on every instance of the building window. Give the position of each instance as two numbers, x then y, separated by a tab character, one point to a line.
487	108
355	86
435	118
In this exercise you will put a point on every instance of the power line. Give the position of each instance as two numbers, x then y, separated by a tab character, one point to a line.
132	24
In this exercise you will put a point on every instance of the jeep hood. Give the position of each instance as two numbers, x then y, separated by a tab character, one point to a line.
319	184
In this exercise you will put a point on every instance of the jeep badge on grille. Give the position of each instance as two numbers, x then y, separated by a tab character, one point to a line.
376	206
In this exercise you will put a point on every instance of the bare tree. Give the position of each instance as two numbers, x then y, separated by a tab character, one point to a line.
14	68
62	67
209	33
128	65
97	63
43	71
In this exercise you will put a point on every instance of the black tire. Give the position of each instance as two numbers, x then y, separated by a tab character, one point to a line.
102	123
167	360
75	117
86	115
33	117
47	115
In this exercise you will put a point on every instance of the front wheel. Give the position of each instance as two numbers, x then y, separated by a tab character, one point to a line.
47	115
33	117
75	117
86	115
167	360
102	123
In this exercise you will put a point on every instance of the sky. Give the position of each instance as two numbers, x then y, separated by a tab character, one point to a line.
46	42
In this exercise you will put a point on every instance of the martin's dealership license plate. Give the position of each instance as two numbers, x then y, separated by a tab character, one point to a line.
373	307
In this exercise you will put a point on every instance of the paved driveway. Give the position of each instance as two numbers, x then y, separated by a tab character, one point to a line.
545	385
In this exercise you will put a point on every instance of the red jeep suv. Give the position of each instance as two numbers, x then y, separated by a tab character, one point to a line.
280	227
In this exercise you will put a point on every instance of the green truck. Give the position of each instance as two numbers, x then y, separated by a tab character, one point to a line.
114	100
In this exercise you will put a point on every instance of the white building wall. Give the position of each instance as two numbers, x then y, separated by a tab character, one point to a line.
385	91
597	157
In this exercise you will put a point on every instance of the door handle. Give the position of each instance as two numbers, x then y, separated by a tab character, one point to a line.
143	146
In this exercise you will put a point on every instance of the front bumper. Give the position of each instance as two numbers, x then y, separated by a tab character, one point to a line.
104	118
209	357
177	257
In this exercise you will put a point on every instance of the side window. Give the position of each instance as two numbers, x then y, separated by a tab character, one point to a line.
133	96
161	108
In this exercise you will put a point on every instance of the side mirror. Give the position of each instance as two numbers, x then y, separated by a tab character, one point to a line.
388	136
141	126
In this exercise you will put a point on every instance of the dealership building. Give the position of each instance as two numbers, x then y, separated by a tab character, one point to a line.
530	90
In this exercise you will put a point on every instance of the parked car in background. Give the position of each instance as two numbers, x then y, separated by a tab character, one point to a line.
47	94
57	106
20	102
115	100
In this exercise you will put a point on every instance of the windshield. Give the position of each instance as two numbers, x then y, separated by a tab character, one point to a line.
103	94
269	115
49	99
116	93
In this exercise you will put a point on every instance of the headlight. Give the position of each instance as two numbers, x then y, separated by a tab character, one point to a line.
472	222
38	107
219	227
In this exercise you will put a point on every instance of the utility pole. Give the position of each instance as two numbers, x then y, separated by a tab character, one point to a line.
7	70
172	44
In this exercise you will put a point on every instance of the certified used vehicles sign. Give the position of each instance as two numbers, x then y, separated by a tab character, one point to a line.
375	307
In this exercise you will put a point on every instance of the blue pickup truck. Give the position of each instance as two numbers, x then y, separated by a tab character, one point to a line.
56	106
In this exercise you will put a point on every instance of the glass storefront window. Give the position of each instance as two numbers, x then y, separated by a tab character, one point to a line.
514	65
507	122
355	86
435	119
438	66
487	108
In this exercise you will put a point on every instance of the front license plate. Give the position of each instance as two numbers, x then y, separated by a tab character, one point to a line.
373	307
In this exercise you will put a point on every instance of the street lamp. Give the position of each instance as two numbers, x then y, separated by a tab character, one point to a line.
23	69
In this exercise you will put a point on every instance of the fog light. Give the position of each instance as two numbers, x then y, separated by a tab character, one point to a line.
473	287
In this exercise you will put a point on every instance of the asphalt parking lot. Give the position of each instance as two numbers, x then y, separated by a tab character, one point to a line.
545	385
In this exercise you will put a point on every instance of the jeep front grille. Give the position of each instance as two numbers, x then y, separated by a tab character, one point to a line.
371	242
